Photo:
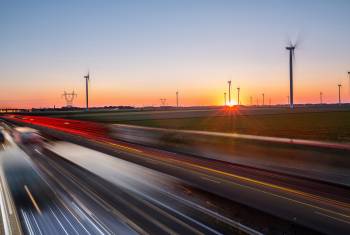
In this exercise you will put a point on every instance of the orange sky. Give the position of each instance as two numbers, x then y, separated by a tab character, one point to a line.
139	53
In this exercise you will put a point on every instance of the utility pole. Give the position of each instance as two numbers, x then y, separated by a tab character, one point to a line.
238	89
339	99
321	94
87	78
229	92
162	101
225	97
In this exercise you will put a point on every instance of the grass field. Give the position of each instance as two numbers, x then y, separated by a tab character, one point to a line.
334	125
326	122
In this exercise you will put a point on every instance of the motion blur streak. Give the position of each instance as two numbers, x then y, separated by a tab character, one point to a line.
315	204
55	196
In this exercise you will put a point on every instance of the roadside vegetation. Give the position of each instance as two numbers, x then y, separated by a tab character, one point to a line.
333	126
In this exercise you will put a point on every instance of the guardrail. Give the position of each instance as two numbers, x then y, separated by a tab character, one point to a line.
323	161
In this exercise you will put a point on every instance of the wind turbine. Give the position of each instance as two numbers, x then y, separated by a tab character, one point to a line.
229	92
291	47
87	78
263	99
339	99
349	81
238	90
225	97
177	99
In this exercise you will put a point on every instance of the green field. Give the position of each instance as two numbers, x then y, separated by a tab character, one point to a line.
333	125
328	122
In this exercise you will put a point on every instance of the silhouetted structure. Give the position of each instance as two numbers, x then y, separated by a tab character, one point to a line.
69	97
162	101
87	78
349	81
177	98
263	99
339	98
291	49
229	92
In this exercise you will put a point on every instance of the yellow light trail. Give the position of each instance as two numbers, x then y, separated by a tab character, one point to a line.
32	199
250	180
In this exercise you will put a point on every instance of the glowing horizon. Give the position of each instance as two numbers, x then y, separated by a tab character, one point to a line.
139	53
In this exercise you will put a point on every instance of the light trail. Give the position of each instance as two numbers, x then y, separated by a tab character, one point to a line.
32	199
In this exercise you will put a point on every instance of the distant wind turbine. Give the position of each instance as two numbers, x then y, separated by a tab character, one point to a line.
87	78
291	47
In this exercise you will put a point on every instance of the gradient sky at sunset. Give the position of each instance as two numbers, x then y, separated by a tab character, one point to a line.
140	51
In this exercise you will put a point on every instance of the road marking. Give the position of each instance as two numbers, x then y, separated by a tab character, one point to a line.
65	217
26	220
123	147
263	184
59	222
6	193
333	202
215	181
7	227
87	217
341	220
271	185
32	199
36	223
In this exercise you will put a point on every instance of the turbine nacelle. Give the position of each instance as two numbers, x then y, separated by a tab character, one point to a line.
87	76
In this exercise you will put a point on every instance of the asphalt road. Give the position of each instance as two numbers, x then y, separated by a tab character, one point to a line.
55	196
320	206
39	208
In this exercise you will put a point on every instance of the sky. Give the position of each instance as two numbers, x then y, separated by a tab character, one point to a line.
139	51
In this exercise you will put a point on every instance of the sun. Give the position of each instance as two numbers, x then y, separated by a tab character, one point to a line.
232	103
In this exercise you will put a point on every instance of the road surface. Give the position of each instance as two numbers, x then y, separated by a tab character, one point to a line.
316	205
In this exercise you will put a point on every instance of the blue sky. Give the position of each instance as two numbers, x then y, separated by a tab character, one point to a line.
139	51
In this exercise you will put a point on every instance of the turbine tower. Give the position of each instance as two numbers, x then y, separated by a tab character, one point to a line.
87	78
238	89
177	99
225	97
349	81
263	99
321	97
339	99
291	49
229	92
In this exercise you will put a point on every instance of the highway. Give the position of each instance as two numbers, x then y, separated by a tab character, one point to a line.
55	196
107	186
